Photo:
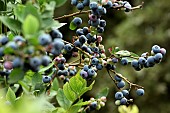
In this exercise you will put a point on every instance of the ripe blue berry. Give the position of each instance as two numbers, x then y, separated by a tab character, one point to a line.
123	101
125	92
72	73
46	60
121	84
85	30
93	5
68	47
4	40
86	2
150	61
124	61
74	2
46	79
135	64
94	61
44	39
19	38
158	57
91	72
93	17
13	45
17	62
102	23
77	21
118	95
117	78
156	49
142	60
66	80
114	60
58	44
100	29
55	51
55	33
84	74
77	43
109	4
35	62
80	6
93	105
99	66
79	32
140	92
86	68
82	39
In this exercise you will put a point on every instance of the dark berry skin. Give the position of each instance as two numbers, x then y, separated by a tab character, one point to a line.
118	95
46	60
121	84
140	92
77	21
44	39
158	57
123	101
125	92
66	80
124	61
4	40
93	105
80	6
55	33
117	78
46	79
156	49
93	5
84	74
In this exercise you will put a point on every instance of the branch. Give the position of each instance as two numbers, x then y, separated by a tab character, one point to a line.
73	14
124	78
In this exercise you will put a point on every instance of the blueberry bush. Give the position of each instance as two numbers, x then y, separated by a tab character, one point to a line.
36	76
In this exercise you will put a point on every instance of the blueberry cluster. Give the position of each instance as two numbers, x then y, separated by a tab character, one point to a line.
80	4
149	61
95	104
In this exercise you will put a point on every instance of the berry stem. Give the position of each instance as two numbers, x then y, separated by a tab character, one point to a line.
124	78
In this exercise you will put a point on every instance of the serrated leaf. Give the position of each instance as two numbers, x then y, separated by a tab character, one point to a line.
69	93
55	85
30	25
16	75
72	26
62	100
46	68
103	92
10	96
12	24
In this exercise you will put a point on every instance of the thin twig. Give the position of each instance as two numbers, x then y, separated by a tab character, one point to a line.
73	14
124	78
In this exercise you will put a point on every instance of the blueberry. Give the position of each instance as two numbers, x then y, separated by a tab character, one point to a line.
100	29
46	60
109	4
96	49
150	61
125	92
158	57
93	5
117	78
102	23
84	47
114	60
95	23
35	62
65	72
93	105
86	2
142	60
123	101
118	95
74	2
46	79
72	73
77	21
135	63
77	43
58	44
19	38
61	66
91	72
82	39
86	68
101	10
140	92
99	66
124	61
79	32
55	33
94	61
4	40
80	6
121	84
55	51
93	17
17	62
44	39
84	74
12	45
68	47
156	49
85	30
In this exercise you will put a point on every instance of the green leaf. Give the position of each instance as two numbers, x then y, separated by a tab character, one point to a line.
72	26
75	108
87	88
55	84
129	59
60	2
69	93
62	100
134	54
103	92
19	12
46	68
59	110
123	53
36	78
30	25
129	109
25	87
12	24
10	96
16	75
8	50
82	103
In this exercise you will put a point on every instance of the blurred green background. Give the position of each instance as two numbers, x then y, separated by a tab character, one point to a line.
137	31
